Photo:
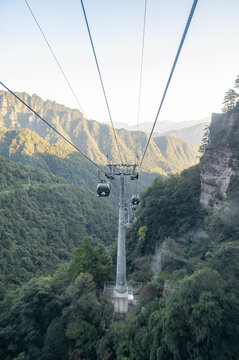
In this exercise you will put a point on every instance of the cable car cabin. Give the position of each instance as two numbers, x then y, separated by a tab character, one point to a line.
134	177
103	189
135	200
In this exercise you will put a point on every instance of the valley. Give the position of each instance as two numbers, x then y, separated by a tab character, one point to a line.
58	247
165	155
119	180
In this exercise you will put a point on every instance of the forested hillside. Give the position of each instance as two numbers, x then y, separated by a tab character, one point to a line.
42	219
183	246
188	260
27	147
186	256
93	138
188	307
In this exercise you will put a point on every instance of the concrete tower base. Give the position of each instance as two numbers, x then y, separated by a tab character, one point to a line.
121	302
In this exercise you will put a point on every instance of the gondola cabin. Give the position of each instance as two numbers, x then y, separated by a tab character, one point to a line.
134	177
103	189
135	200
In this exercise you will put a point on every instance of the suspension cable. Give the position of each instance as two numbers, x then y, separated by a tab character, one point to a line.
101	80
52	127
141	65
56	60
171	74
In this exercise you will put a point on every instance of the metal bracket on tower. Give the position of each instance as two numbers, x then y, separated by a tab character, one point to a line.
122	169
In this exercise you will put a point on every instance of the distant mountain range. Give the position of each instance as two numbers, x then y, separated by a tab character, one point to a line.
166	154
162	126
192	134
189	131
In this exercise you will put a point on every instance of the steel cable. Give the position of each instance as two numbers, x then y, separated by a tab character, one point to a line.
101	80
171	74
56	60
52	127
141	65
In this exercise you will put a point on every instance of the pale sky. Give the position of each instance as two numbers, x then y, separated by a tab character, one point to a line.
207	68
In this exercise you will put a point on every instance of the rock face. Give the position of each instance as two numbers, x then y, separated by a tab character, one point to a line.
219	166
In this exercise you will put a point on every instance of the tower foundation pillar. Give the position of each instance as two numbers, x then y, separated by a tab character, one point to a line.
121	302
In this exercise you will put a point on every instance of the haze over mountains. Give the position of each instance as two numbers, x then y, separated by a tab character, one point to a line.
192	134
189	131
163	126
166	154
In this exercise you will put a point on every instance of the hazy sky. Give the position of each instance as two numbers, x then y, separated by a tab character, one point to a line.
207	68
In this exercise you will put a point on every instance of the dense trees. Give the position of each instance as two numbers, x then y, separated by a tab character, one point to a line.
187	259
189	309
198	321
93	260
41	223
59	317
168	208
188	306
27	147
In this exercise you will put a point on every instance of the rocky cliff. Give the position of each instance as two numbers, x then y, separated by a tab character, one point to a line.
219	166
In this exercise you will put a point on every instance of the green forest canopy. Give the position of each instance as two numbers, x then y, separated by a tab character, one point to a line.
188	308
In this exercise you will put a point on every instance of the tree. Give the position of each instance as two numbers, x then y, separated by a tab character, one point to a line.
201	318
92	260
52	319
24	325
83	317
230	100
205	139
236	86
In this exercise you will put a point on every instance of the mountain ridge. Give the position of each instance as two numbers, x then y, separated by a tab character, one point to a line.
193	134
93	138
162	127
25	146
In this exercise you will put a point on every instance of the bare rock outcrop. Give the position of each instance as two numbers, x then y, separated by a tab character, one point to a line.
219	166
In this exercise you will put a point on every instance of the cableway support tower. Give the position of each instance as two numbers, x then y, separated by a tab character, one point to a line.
121	294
